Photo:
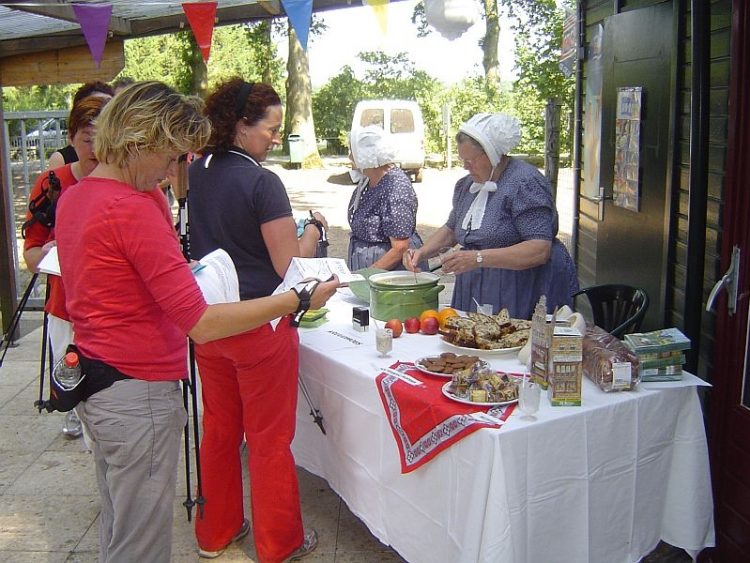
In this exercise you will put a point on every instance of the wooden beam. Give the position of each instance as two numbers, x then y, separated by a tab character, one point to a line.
62	66
273	7
13	47
65	12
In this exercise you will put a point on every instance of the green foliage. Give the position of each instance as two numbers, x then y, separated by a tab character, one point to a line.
538	35
28	98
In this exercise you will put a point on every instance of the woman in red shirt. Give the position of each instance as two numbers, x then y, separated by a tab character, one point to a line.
40	237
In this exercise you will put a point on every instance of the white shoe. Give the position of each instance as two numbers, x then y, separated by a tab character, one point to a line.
72	427
206	554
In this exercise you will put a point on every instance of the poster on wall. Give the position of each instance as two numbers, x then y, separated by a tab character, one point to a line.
592	120
627	189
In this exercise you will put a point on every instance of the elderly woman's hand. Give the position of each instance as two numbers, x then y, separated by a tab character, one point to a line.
410	259
460	262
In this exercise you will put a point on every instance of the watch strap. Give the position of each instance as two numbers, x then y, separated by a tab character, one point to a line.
304	291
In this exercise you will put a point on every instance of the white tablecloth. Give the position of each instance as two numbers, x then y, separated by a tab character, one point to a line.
602	482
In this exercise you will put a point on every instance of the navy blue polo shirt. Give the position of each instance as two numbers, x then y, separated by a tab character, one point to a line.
228	201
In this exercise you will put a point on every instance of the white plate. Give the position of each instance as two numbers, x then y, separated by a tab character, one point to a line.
452	397
477	351
438	374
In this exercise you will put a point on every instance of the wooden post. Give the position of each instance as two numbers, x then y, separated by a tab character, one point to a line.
552	143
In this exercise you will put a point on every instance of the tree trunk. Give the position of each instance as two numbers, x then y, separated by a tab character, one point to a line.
490	43
299	118
267	73
198	70
552	143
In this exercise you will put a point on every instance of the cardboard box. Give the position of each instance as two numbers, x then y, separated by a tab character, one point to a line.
565	374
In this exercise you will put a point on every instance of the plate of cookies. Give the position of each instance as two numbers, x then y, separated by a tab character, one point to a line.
447	364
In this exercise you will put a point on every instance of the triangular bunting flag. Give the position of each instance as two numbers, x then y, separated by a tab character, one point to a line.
201	17
380	8
94	21
299	13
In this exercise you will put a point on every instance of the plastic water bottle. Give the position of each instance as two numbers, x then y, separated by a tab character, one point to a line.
68	371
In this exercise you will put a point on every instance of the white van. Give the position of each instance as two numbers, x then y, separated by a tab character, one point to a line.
403	120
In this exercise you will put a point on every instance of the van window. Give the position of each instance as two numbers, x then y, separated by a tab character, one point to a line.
402	121
372	117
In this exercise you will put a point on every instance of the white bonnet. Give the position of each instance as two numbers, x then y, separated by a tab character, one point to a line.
497	133
371	147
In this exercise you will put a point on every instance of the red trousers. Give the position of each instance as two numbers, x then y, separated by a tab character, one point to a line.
249	385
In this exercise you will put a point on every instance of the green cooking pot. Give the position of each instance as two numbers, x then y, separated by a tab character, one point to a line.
400	295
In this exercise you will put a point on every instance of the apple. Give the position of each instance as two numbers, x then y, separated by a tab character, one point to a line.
412	325
430	325
396	327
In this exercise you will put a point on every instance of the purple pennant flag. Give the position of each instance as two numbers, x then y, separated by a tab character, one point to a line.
299	13
94	20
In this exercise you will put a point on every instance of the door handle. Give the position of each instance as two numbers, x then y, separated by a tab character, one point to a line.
728	281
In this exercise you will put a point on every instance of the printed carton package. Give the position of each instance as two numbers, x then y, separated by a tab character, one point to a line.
565	372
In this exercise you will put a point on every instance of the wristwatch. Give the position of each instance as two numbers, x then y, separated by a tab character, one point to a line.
304	291
480	258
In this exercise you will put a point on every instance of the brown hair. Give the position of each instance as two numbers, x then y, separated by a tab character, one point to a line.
151	117
233	100
92	89
84	113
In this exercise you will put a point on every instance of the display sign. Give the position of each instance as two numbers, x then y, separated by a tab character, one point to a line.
569	44
626	190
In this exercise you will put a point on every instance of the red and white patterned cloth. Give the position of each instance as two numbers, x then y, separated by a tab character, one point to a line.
424	421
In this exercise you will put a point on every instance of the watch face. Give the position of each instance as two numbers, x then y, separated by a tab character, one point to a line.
479	257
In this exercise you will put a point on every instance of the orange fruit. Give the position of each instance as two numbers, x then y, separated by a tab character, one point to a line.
444	314
429	313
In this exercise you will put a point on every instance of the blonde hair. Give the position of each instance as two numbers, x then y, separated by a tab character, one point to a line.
149	117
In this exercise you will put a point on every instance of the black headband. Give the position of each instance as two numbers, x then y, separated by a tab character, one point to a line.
241	100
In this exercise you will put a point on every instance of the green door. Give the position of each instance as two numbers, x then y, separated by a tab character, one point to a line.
631	246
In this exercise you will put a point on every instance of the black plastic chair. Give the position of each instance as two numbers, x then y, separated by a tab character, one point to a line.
617	308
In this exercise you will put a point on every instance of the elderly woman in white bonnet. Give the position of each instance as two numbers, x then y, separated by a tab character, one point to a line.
383	208
505	221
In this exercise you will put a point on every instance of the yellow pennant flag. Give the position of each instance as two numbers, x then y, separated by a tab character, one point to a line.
380	8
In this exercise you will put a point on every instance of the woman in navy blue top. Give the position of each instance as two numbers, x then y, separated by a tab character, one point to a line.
383	208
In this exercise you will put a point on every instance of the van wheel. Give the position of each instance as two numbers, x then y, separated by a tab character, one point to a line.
418	175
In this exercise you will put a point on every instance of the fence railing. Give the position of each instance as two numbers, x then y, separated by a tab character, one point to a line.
30	137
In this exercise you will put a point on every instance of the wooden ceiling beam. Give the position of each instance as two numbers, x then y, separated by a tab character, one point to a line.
65	12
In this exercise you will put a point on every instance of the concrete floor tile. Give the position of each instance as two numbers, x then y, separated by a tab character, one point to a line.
7	392
27	433
19	373
23	402
34	523
12	467
369	557
57	475
33	556
83	557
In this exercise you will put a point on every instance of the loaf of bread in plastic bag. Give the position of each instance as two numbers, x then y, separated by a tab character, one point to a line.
608	362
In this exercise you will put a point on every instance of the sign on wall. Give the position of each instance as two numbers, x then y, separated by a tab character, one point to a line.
626	191
592	119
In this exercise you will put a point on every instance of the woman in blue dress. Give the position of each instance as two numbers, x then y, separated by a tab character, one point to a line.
383	208
505	221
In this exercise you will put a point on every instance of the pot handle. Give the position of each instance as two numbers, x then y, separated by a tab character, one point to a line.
436	290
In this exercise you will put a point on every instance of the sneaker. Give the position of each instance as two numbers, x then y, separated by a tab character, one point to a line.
309	543
244	529
72	425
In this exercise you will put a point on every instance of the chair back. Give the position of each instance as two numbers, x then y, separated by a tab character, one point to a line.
617	308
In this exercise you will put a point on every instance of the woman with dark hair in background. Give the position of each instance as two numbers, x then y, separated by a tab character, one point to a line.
249	381
67	154
39	238
132	299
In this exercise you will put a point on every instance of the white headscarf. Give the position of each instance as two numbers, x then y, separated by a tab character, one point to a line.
497	134
371	147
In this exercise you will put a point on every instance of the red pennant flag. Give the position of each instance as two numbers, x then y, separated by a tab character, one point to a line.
201	16
94	21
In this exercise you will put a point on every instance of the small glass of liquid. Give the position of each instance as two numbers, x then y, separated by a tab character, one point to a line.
384	341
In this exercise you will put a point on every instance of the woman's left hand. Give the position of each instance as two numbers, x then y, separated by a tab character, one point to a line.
461	261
